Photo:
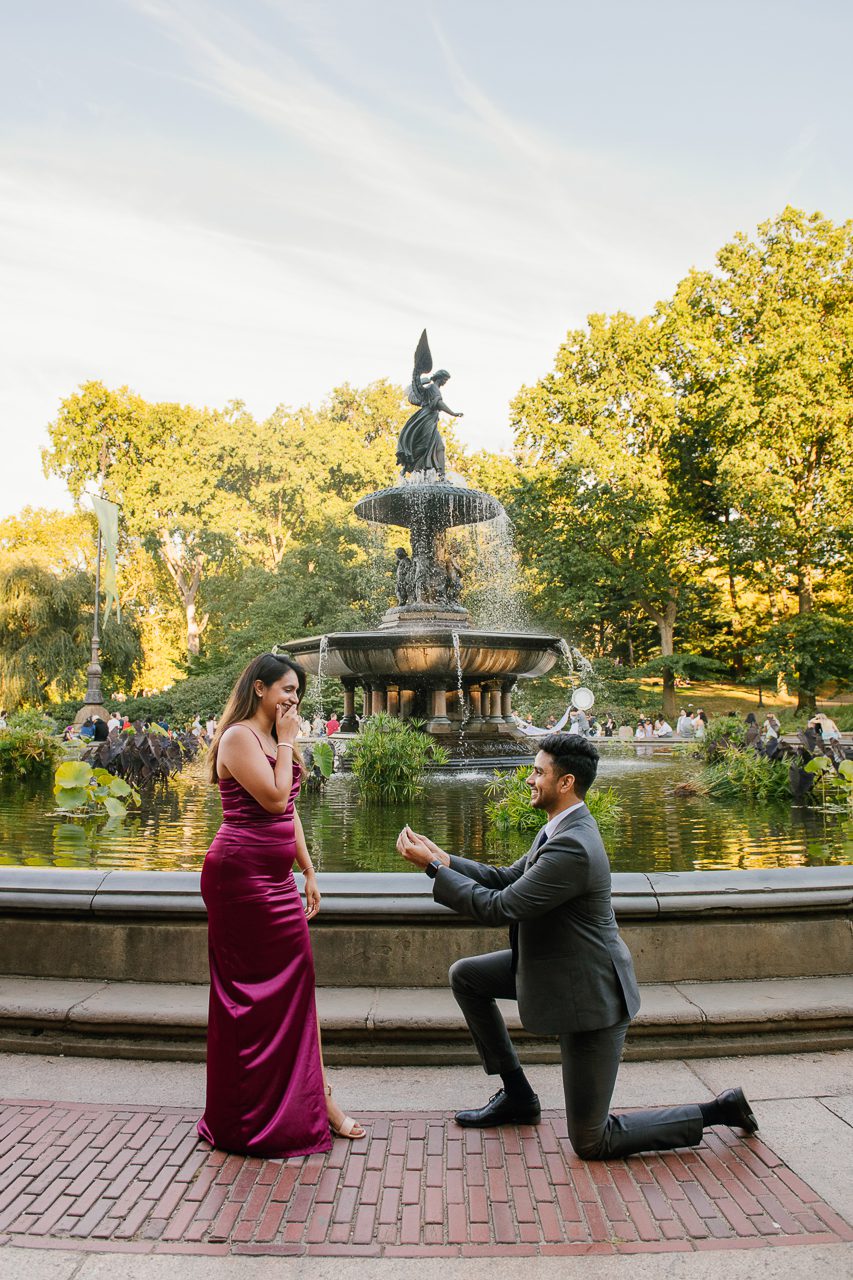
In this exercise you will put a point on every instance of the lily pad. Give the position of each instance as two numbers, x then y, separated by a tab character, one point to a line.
73	774
71	797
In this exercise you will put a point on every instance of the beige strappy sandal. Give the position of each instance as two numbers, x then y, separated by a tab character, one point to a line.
348	1128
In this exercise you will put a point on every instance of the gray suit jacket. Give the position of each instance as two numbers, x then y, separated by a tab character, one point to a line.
574	971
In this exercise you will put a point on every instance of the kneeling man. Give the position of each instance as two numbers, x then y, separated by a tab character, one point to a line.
566	965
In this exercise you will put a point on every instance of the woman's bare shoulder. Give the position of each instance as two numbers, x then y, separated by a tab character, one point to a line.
237	734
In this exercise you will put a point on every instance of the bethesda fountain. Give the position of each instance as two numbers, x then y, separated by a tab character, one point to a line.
427	658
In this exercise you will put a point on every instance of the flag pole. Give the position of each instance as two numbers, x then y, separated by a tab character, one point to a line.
94	695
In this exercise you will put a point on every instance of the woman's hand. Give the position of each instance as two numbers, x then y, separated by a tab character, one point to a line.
312	895
286	723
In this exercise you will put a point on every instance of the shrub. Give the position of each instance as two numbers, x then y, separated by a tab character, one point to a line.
738	773
722	732
27	750
82	791
509	808
390	758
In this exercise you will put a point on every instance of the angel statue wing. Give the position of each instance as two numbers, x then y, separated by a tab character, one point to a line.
423	364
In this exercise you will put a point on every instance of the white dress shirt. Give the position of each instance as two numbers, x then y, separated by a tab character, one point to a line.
552	824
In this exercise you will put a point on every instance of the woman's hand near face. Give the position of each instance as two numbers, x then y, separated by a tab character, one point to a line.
286	723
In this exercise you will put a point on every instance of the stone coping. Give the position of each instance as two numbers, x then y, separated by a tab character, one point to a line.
403	895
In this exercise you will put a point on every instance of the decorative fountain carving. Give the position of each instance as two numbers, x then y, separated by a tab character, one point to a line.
426	658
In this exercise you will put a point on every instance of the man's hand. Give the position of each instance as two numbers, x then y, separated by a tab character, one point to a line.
441	854
419	850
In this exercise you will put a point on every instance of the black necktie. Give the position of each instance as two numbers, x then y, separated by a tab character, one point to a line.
513	928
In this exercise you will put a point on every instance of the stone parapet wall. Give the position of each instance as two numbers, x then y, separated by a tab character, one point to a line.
386	931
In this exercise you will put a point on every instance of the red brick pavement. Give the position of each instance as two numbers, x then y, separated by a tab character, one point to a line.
138	1179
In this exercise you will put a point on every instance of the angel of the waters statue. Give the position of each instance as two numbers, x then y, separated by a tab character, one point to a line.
420	447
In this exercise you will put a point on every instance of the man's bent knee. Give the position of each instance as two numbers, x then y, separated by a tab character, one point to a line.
589	1145
460	975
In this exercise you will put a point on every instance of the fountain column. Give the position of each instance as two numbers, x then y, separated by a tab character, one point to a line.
379	699
475	720
393	692
349	724
367	694
407	702
506	700
494	695
439	722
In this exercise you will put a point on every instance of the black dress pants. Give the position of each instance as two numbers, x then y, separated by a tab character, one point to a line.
590	1063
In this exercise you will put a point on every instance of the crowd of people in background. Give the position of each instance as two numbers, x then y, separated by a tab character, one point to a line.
690	726
97	729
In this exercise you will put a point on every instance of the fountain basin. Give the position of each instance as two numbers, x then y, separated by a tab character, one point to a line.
426	653
441	504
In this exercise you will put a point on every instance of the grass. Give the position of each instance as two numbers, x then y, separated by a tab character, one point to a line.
716	698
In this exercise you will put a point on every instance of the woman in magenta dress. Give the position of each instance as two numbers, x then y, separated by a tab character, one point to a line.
266	1090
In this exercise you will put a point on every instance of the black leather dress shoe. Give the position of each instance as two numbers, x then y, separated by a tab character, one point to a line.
501	1110
736	1110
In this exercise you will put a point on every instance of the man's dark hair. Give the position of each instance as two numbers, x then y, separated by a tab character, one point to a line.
572	753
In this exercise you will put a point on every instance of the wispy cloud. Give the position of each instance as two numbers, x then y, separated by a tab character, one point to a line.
308	242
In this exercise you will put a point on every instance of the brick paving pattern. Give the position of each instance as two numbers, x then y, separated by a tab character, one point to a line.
138	1179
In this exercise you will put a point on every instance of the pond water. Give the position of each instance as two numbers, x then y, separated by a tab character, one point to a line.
658	830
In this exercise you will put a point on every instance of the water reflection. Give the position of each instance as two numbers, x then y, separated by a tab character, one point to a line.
659	830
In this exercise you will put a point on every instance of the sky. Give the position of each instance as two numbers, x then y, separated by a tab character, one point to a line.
262	199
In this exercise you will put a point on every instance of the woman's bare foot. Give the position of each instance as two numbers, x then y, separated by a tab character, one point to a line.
343	1126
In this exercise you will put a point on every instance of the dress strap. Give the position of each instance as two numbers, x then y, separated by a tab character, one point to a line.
251	730
257	735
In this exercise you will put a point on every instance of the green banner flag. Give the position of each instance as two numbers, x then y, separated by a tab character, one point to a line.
107	513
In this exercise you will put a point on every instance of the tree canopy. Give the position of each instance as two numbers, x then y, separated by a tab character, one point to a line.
680	486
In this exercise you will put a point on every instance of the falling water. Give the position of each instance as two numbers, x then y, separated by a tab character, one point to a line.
322	656
492	581
463	704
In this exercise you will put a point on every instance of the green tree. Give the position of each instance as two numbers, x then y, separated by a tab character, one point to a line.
164	465
62	541
45	633
759	355
597	508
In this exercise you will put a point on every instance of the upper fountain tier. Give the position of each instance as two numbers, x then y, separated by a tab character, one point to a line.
439	504
429	581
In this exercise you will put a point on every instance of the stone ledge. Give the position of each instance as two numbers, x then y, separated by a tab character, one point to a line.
374	1024
358	897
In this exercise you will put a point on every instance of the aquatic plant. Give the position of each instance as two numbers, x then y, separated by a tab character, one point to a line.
319	760
722	732
509	809
82	791
143	758
390	758
738	774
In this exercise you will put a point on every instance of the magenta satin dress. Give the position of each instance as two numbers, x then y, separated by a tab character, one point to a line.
265	1094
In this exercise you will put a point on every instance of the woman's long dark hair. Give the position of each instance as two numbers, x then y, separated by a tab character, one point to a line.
242	701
